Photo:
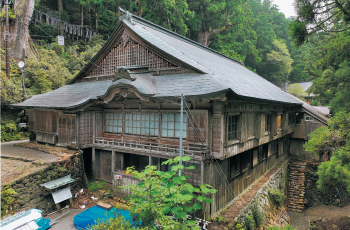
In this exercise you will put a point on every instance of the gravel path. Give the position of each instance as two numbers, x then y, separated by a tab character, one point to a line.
9	150
300	221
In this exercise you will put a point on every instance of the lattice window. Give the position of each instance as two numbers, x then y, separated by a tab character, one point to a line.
129	54
171	125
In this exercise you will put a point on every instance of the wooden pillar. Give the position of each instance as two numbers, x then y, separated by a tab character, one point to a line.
113	161
202	172
77	125
59	208
149	160
122	161
93	163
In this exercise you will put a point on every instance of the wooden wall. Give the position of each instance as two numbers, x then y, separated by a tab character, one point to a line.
53	123
66	129
90	125
238	184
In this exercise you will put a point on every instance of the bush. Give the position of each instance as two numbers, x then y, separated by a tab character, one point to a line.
258	216
249	222
336	172
277	197
7	199
113	223
10	132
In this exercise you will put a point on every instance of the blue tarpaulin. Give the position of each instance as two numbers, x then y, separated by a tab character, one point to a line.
89	216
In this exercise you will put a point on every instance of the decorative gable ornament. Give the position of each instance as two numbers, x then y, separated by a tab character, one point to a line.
126	16
123	72
127	51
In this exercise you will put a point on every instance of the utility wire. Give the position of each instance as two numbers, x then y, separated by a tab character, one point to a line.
195	125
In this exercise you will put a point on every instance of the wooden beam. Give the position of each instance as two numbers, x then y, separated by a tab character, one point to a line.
94	163
113	160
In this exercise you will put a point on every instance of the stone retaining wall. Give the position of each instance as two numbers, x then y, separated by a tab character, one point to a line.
29	193
272	216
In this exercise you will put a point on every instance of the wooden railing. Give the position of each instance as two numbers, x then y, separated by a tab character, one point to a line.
148	146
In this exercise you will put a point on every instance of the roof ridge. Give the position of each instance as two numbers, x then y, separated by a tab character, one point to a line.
129	16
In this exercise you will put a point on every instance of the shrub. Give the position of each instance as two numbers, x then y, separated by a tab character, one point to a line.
239	226
257	215
249	222
336	172
159	195
7	198
113	223
277	197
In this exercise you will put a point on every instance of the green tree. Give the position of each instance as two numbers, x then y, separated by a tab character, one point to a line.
161	194
212	17
279	63
296	90
336	172
314	16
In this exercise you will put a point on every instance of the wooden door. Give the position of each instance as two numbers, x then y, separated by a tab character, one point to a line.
105	166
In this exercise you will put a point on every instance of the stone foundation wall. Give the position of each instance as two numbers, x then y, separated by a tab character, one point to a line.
272	216
29	193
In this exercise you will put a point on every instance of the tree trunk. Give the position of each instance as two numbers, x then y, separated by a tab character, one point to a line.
96	20
60	10
203	37
23	11
82	15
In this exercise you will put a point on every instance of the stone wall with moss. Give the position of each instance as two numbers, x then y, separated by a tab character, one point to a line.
26	192
262	207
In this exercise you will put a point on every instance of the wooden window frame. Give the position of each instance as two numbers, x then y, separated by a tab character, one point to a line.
156	127
309	119
237	131
184	129
113	120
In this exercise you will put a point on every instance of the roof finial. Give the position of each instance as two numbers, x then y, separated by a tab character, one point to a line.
126	15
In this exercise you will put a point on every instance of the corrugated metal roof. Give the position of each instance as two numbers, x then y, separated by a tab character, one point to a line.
58	182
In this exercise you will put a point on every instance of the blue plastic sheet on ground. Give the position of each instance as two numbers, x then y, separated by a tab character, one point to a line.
89	216
43	223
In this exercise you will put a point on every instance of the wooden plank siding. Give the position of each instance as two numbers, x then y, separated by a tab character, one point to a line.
66	129
238	184
86	128
247	122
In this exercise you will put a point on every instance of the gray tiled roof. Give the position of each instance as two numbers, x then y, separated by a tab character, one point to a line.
216	73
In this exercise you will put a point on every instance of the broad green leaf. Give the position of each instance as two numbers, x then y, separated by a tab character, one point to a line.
190	167
197	206
186	158
201	198
208	201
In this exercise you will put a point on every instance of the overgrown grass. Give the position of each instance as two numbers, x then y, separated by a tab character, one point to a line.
277	197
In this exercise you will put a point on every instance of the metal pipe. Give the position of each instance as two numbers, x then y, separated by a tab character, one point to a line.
181	122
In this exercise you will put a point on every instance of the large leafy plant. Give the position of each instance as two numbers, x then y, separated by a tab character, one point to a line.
160	195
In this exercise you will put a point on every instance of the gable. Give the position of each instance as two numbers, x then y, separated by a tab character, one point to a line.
128	51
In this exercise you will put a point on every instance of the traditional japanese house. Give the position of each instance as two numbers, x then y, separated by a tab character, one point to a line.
123	109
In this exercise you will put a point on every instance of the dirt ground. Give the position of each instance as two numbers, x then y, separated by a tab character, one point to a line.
327	216
12	170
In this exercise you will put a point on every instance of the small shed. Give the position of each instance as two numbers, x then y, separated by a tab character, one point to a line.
60	190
